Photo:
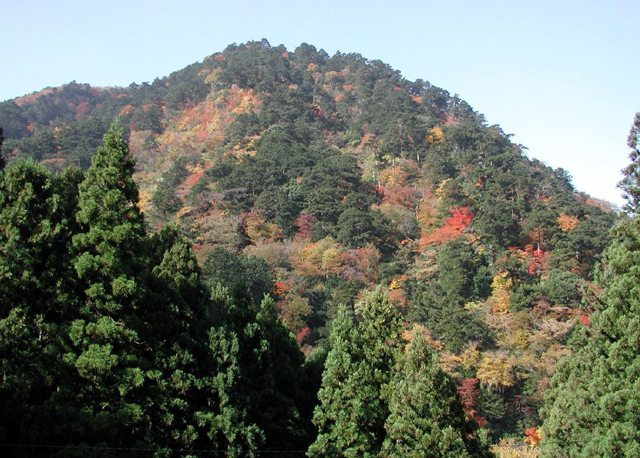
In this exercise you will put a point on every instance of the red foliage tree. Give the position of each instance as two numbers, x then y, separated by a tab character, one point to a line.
468	392
305	224
453	227
585	320
459	219
302	335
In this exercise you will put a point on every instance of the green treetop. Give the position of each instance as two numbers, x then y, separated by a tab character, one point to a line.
353	406
1	142
337	416
426	418
631	181
592	406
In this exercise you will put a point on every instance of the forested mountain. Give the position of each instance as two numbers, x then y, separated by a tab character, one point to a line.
327	194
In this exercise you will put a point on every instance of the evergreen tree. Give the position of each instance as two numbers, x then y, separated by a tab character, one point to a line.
426	418
353	398
592	406
223	410
340	411
105	402
274	382
380	336
1	142
36	295
631	181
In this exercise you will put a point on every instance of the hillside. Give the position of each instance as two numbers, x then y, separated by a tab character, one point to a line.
316	178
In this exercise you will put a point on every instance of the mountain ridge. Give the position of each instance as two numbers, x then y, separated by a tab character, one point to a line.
330	175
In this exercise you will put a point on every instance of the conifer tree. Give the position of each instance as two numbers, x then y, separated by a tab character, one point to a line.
107	346
379	331
631	181
36	225
1	142
337	415
274	382
353	398
592	406
426	418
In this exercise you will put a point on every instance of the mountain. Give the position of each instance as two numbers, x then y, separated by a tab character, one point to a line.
315	178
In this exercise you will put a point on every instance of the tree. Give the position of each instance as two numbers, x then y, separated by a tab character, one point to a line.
592	406
426	417
338	415
104	338
1	142
250	275
353	397
630	184
37	296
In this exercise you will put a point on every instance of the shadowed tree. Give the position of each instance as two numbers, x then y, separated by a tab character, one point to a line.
426	417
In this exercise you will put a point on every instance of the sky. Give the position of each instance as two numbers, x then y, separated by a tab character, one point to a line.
560	76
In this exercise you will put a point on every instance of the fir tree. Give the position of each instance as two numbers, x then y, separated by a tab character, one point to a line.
592	404
36	294
631	181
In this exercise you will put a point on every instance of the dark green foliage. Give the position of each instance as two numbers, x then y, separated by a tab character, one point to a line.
463	273
581	248
108	337
368	409
448	320
340	413
13	121
1	142
353	406
256	65
36	218
561	288
250	276
275	392
463	276
632	172
592	404
426	418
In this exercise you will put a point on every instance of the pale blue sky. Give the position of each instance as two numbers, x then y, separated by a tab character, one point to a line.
562	76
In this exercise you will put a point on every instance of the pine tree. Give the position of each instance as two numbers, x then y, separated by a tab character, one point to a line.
109	248
631	181
592	407
426	418
379	331
223	414
274	382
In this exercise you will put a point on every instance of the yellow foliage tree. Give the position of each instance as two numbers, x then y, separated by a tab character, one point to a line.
567	223
435	135
500	293
496	370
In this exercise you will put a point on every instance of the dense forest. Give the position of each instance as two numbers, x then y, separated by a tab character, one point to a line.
287	253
